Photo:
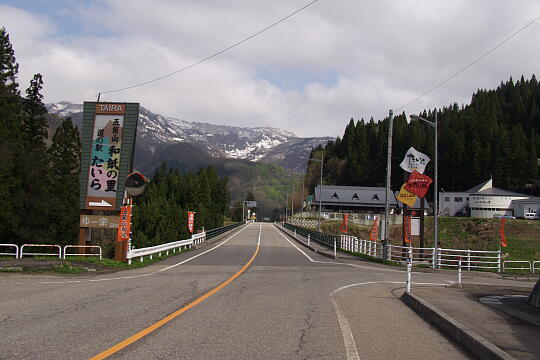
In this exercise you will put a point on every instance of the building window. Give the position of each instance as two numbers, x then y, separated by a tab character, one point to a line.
458	199
447	198
375	197
467	199
335	196
355	197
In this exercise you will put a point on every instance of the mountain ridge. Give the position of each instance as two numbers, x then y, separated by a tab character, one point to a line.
156	132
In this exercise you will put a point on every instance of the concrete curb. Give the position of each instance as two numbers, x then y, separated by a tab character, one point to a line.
323	253
490	287
469	339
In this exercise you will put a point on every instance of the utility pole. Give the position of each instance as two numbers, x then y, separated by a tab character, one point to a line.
388	181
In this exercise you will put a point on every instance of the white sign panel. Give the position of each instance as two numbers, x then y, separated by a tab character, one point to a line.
415	160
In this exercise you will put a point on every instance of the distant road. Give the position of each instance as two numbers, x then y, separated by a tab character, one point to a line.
280	307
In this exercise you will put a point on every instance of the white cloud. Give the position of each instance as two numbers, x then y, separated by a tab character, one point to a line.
342	59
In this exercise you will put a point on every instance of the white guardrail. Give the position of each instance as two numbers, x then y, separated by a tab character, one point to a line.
470	259
534	267
528	267
16	253
58	254
83	247
172	246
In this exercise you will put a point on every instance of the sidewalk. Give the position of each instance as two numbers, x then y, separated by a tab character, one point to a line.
497	314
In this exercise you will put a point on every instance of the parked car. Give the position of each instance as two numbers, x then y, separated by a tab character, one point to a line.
504	216
531	216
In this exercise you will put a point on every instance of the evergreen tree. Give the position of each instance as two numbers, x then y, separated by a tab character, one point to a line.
65	158
35	201
11	142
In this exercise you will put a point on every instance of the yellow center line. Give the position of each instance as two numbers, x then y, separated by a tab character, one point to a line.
130	340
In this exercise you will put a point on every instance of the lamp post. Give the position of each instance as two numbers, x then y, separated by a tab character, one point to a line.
320	186
436	189
388	181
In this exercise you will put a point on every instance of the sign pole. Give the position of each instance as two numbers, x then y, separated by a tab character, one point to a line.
388	180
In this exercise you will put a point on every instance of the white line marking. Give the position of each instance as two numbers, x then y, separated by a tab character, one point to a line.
147	274
346	332
333	262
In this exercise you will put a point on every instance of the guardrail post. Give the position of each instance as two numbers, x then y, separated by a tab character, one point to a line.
335	253
295	233
468	260
439	258
409	269
499	261
308	239
459	271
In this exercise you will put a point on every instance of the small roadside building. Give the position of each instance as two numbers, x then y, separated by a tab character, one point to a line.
481	201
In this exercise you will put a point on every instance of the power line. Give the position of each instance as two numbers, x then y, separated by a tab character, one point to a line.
469	65
215	54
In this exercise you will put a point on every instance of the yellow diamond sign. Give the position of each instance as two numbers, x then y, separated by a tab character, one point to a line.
406	197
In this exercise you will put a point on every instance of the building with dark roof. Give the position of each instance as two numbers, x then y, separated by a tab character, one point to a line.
363	199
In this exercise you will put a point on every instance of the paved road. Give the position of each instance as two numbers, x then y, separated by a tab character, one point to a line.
289	304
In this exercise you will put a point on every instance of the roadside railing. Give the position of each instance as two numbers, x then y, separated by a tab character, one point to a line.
528	267
14	246
41	246
158	249
218	231
175	246
90	247
443	258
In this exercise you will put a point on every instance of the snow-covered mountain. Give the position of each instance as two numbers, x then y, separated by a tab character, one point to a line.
156	132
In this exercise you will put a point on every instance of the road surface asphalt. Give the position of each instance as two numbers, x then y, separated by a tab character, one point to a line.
289	304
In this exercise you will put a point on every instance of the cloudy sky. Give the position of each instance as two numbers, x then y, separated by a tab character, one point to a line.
310	74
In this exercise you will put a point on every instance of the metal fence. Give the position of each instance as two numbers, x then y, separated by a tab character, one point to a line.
218	231
443	258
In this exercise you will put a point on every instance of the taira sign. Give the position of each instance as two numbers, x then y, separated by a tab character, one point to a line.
108	137
415	160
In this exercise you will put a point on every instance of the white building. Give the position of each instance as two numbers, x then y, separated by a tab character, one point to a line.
527	206
482	201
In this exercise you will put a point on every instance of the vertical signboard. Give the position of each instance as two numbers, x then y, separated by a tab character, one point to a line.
124	227
108	139
191	221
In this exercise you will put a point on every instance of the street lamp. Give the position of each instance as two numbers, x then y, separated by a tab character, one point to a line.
320	186
436	190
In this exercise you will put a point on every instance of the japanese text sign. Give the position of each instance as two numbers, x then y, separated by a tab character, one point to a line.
374	232
105	156
415	160
124	227
406	197
418	184
191	221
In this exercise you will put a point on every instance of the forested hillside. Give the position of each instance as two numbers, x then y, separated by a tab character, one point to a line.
39	175
160	213
497	135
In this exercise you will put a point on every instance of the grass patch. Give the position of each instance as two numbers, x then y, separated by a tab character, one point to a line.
69	269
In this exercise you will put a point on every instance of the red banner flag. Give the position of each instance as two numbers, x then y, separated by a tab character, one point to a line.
501	233
191	220
374	232
407	234
125	223
418	184
344	224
